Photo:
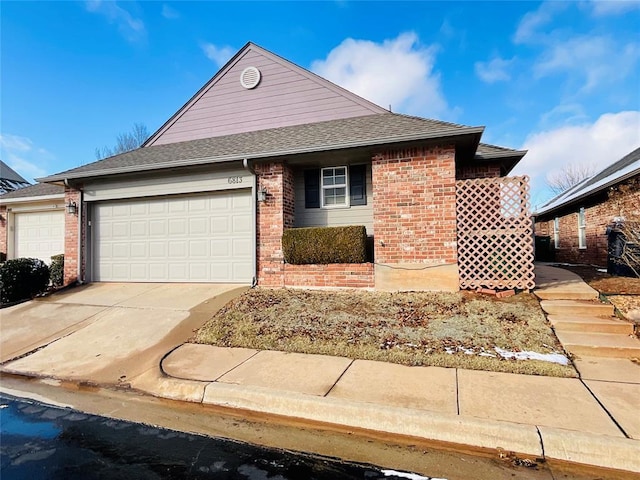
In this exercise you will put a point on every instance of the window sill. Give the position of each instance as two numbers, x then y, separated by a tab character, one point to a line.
335	207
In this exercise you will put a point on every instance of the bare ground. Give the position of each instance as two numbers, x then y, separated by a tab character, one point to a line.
446	329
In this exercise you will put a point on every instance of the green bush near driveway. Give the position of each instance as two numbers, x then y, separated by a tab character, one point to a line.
57	270
324	245
22	278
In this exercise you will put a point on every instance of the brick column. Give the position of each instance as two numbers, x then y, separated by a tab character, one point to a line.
4	220
71	270
273	216
414	217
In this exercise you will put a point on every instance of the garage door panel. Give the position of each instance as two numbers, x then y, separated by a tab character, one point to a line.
177	226
241	269
242	224
220	225
204	238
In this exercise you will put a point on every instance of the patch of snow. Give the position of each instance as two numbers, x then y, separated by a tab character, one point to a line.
410	476
601	270
545	357
486	354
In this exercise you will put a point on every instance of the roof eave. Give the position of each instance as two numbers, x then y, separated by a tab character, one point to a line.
587	194
457	132
35	198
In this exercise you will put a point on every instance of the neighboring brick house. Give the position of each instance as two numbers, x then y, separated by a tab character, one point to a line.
577	220
266	145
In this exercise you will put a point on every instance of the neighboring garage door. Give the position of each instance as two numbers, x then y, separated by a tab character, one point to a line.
182	238
39	234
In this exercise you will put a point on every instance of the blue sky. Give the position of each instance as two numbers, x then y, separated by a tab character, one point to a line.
561	79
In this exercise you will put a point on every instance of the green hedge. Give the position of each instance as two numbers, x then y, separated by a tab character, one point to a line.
22	278
57	269
323	245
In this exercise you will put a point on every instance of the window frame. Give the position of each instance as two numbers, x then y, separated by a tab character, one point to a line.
582	229
347	198
556	233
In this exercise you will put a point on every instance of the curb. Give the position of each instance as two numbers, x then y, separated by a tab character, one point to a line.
551	443
440	427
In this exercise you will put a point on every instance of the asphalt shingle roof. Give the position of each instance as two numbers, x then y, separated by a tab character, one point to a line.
624	168
37	190
489	151
334	134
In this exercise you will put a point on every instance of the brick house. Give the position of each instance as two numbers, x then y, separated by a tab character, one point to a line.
266	145
577	220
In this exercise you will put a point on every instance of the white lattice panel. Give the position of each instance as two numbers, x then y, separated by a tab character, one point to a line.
495	233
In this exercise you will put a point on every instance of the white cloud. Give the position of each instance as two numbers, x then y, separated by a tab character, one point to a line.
169	13
596	60
495	70
15	143
613	7
397	72
218	55
529	27
131	28
23	156
566	113
597	144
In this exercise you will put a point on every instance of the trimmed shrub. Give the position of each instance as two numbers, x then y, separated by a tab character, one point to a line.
57	270
22	278
322	245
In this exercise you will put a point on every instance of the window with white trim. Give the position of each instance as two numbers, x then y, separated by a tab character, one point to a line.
556	232
582	229
333	183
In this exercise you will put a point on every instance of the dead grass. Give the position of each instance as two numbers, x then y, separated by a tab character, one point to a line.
405	328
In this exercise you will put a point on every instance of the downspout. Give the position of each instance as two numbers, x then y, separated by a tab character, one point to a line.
254	219
80	279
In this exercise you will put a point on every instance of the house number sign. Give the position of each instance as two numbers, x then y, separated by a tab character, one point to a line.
234	180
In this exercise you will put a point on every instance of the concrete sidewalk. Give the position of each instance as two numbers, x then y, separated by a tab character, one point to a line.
590	420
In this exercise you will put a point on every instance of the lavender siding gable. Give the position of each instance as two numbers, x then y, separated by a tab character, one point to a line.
286	95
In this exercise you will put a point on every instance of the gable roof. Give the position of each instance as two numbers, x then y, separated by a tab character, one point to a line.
625	168
45	190
9	179
286	95
369	130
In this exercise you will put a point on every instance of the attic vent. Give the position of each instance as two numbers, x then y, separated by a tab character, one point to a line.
250	78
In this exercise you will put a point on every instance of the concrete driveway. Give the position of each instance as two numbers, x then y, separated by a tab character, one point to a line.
105	332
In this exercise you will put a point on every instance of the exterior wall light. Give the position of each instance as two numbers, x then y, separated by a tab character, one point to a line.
72	208
262	195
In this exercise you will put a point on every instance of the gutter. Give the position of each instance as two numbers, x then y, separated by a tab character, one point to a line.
276	153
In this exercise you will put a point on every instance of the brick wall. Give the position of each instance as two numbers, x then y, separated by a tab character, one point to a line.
3	228
468	172
336	275
273	216
414	206
71	238
599	212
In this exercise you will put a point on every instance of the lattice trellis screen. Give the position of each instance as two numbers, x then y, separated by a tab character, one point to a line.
495	233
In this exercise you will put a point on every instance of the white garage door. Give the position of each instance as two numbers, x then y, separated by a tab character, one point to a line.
39	234
197	238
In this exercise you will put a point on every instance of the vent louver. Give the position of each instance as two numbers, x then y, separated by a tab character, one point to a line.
250	78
